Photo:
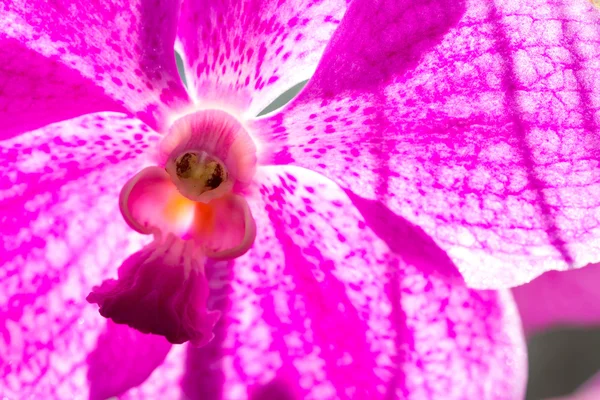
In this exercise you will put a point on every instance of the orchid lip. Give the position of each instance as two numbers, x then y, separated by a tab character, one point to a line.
151	174
161	289
246	242
223	226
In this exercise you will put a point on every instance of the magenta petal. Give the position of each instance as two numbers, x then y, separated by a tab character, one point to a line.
124	48
161	289
560	298
45	173
123	358
477	123
37	91
241	54
61	233
164	383
320	308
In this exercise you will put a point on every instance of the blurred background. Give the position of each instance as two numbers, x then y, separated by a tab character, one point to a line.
560	360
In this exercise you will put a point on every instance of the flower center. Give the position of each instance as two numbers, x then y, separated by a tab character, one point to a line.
208	154
192	202
197	173
207	159
197	167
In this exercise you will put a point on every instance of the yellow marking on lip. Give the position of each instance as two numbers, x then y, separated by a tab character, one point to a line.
189	215
178	208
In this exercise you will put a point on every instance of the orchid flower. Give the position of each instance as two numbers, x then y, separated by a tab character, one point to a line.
326	250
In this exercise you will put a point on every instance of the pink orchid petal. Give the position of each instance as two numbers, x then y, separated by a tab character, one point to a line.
161	289
560	298
123	358
124	48
320	308
164	383
241	54
37	91
61	233
476	122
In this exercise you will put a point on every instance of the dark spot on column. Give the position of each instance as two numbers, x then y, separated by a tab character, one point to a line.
183	165
217	177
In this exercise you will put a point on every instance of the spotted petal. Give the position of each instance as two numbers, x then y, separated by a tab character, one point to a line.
61	234
122	48
241	54
320	308
476	120
36	91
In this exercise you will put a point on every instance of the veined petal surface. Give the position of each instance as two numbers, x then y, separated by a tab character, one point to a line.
477	121
36	91
241	54
61	234
320	309
123	47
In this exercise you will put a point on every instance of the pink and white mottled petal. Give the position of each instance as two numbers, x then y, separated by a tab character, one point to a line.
164	383
560	298
476	122
61	233
123	359
36	91
241	54
124	48
203	376
320	309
